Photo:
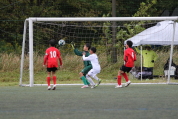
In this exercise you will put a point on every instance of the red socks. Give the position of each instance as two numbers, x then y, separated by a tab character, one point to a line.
119	80
126	77
48	80
54	79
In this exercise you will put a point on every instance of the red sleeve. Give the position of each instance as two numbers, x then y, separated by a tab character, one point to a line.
135	58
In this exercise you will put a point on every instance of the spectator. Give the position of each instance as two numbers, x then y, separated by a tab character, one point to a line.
149	58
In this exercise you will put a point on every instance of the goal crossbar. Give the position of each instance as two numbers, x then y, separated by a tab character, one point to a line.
35	19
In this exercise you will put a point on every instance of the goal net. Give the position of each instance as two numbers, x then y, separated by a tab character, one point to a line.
108	35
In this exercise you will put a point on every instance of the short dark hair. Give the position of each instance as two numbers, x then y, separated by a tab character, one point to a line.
88	45
129	43
52	42
93	49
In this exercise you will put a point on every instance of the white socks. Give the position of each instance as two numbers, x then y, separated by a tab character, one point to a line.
90	80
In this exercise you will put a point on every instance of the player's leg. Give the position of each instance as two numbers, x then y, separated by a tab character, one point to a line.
127	80
119	77
48	78
99	80
90	81
82	77
94	75
126	77
86	70
88	76
54	78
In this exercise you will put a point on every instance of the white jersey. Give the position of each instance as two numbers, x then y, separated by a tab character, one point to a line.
93	58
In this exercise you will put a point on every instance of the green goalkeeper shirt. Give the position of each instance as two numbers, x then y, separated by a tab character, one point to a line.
79	53
148	56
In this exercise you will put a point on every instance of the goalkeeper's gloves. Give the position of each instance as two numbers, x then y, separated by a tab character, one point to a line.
152	61
73	45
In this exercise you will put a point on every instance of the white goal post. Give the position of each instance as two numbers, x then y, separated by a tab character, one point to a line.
30	21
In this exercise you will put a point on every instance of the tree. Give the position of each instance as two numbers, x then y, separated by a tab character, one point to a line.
135	27
14	12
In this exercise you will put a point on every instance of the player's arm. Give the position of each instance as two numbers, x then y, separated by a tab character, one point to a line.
45	59
59	57
77	52
60	61
73	45
89	58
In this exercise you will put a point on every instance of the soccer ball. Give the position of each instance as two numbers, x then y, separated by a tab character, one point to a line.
61	42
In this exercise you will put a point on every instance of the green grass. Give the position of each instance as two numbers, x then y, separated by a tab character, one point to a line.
68	77
10	69
103	102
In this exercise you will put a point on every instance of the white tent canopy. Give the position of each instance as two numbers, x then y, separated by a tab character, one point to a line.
163	33
160	34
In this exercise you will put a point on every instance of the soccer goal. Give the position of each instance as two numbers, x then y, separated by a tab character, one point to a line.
107	33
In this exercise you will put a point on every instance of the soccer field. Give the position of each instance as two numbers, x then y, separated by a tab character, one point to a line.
104	102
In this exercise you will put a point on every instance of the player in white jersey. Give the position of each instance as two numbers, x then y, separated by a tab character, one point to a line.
93	58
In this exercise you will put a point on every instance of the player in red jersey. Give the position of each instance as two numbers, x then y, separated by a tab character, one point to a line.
129	58
51	59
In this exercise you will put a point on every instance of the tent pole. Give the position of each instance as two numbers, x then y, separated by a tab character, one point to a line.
141	61
171	52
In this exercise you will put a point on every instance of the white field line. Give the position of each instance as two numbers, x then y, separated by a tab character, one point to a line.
100	84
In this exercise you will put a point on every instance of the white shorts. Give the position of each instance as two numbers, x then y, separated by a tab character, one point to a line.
93	72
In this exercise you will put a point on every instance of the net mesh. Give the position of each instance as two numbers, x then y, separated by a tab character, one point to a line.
109	41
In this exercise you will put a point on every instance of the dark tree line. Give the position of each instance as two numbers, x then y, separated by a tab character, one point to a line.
14	12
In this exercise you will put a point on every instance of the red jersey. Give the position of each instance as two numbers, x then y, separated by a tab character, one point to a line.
129	57
51	58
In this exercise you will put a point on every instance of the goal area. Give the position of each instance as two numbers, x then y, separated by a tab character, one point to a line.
108	35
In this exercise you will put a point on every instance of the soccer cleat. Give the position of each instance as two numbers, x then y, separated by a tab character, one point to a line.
118	86
89	85
93	86
127	83
49	88
85	86
98	82
54	87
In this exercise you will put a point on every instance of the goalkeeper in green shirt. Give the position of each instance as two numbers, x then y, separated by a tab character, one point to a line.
149	58
87	64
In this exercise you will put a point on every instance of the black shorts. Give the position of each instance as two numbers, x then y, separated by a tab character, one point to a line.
125	69
51	69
